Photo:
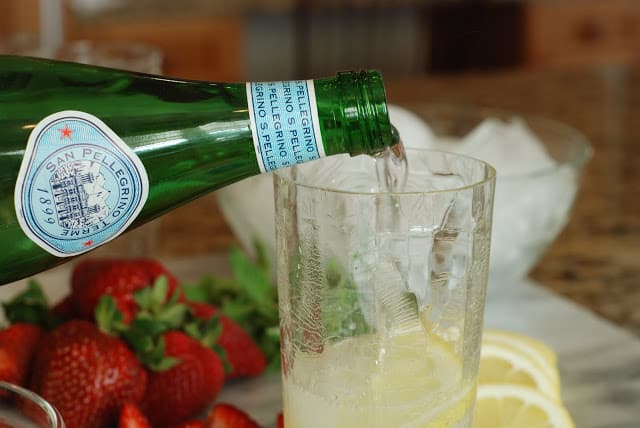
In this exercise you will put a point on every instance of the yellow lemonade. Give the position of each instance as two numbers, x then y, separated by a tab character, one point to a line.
410	380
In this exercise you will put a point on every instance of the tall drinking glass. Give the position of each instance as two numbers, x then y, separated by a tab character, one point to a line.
382	293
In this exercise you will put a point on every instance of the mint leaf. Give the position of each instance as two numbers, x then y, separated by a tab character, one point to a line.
262	260
194	293
342	314
238	310
211	288
249	298
251	278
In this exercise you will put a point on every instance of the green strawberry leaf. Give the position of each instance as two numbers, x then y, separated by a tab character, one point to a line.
211	332
153	298
147	326
228	368
141	342
108	317
174	297
159	291
153	305
143	298
192	329
153	319
165	364
155	357
144	336
206	332
173	315
31	306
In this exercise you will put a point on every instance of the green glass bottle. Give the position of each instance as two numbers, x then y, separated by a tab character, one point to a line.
88	152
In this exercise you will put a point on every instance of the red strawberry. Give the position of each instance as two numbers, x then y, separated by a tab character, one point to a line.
87	375
132	417
245	357
280	420
93	278
186	388
17	348
155	269
228	416
192	424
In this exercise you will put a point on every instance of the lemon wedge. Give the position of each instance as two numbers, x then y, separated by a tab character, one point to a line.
504	365
511	406
521	341
536	351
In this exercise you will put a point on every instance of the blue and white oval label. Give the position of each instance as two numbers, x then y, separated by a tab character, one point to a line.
79	184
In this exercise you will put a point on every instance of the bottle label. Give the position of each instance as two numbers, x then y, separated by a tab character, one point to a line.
79	184
284	123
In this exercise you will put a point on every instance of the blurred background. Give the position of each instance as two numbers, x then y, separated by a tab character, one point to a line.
238	40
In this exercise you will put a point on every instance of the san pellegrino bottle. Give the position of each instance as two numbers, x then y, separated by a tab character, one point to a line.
87	152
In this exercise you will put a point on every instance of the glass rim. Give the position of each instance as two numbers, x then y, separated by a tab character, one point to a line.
53	415
490	176
575	136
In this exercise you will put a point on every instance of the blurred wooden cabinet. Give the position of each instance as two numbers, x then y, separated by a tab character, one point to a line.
567	33
18	16
208	48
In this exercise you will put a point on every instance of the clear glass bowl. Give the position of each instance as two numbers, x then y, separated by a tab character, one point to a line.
530	208
21	408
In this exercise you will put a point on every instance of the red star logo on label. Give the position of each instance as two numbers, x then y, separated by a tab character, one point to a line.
66	132
88	243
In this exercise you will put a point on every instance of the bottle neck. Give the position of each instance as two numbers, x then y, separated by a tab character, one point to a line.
353	113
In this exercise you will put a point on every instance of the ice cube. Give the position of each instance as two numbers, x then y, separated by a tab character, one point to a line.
528	211
509	146
419	269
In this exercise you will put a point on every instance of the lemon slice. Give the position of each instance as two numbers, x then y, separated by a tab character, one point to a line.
503	365
536	351
510	406
523	342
